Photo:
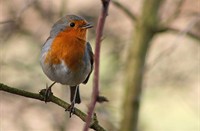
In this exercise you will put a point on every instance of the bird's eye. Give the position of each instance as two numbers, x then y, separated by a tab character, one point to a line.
72	24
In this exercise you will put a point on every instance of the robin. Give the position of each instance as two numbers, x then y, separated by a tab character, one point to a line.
67	57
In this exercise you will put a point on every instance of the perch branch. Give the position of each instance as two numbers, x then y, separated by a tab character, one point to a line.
99	32
40	96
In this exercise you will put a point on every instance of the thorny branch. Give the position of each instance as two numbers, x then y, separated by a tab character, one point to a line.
99	32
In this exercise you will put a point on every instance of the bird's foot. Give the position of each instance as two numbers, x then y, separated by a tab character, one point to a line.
47	93
71	109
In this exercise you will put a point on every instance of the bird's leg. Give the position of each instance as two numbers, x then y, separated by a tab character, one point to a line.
71	107
48	92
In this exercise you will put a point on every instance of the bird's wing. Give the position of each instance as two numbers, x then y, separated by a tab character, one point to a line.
91	55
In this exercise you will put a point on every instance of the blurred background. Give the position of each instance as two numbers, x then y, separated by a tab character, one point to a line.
170	99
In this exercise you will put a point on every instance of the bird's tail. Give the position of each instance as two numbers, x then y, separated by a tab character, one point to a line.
75	94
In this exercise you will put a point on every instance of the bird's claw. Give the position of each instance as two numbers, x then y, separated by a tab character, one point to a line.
48	94
71	109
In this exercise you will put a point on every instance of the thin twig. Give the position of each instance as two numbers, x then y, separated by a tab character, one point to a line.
40	96
7	21
186	31
24	8
125	10
172	48
176	13
99	32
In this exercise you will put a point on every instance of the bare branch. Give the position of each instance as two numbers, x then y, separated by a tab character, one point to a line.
173	47
24	8
161	55
45	14
176	13
186	31
14	23
7	21
40	96
99	32
125	10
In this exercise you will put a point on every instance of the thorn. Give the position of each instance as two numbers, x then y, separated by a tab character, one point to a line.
102	99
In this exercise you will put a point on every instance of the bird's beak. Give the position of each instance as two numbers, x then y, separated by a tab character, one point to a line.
86	26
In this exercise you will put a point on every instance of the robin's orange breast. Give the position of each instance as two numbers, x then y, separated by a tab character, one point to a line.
68	47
